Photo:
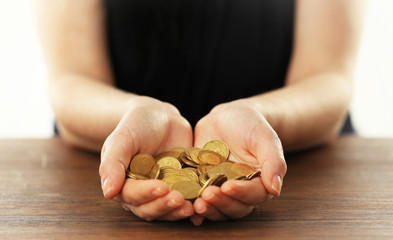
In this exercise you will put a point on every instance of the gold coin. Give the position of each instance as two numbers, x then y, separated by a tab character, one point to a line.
222	169
203	168
165	171
217	146
203	178
166	154
192	169
190	190
240	177
142	164
155	172
191	175
169	162
210	157
242	169
183	158
179	150
217	180
171	180
192	154
253	175
135	176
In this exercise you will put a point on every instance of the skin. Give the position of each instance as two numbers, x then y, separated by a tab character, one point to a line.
92	114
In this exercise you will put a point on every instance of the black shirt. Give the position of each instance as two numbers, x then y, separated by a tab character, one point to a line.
196	54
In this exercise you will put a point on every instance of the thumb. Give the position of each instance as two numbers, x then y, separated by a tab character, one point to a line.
116	155
270	155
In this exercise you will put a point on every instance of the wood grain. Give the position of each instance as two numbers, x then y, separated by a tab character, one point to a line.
340	191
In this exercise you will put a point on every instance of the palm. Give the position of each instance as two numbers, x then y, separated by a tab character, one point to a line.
235	125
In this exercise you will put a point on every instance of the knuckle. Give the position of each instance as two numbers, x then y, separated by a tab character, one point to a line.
283	166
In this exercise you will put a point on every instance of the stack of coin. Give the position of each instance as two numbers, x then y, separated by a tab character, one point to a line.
191	170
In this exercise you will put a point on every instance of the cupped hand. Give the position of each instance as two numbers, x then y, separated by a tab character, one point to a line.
251	139
149	126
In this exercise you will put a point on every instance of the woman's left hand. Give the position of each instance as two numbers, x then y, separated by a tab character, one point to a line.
251	139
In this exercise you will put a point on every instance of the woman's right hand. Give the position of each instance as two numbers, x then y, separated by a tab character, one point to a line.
149	126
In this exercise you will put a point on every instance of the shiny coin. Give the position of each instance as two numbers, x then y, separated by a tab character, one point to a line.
136	176
190	190
142	164
203	179
242	169
217	146
155	172
222	169
253	175
204	168
171	180
210	157
192	154
171	153
183	158
217	180
169	162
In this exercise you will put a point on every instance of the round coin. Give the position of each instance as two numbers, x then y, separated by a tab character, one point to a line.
217	146
210	157
190	190
172	179
253	175
135	176
169	162
171	153
155	172
242	169
142	164
217	180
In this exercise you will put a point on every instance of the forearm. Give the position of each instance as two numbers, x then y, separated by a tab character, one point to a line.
86	110
309	112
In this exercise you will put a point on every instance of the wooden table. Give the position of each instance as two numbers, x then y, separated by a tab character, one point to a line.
341	191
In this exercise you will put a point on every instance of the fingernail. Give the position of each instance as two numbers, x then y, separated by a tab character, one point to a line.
173	203
200	209
158	192
276	184
208	196
186	212
197	221
107	186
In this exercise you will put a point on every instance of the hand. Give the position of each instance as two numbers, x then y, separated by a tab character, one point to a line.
251	140
149	126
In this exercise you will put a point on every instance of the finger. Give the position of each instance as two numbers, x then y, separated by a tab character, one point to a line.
159	207
228	206
184	211
116	154
197	219
137	192
248	192
208	211
205	131
270	155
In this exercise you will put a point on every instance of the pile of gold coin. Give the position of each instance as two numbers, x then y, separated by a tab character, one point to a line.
191	170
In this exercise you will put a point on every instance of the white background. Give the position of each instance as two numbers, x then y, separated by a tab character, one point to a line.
25	111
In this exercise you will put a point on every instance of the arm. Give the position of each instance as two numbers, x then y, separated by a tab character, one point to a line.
86	105
312	106
93	114
309	110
